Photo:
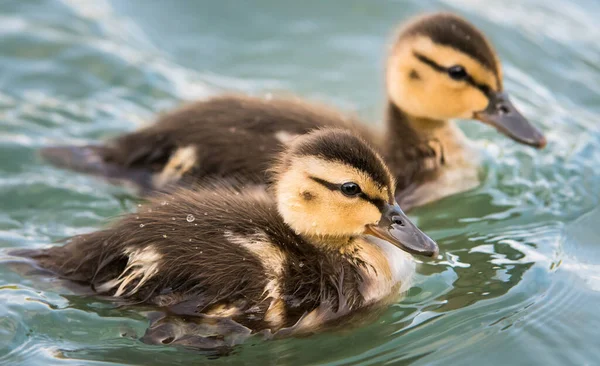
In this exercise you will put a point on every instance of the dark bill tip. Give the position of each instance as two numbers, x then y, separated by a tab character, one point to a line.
504	116
396	228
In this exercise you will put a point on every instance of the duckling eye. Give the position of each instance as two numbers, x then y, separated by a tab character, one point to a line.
350	189
457	72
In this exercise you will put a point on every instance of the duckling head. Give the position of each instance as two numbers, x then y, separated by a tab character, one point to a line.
441	67
331	186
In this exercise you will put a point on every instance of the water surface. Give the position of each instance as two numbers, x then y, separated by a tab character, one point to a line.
519	282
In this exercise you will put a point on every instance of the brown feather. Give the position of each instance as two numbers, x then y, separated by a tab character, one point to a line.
239	136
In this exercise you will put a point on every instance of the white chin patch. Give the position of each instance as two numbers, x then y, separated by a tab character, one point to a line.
402	264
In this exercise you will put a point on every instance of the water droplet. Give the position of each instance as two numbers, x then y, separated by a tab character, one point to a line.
139	205
301	264
172	218
190	240
190	218
165	236
163	203
195	224
206	214
137	217
141	225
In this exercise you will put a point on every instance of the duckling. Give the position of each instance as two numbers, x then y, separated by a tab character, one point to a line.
326	242
440	68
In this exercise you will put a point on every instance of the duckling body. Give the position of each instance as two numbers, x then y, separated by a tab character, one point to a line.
293	260
237	258
440	67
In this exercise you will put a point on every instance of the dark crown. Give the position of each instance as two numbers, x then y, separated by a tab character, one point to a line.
344	147
453	31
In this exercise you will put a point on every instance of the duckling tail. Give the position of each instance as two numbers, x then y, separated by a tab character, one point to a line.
76	259
48	259
92	160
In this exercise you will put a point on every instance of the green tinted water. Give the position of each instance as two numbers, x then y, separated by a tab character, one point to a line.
519	282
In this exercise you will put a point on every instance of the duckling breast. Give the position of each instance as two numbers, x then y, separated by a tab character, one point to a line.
387	270
460	172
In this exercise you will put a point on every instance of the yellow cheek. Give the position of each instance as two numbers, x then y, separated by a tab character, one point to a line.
455	100
431	94
433	97
331	215
473	101
347	216
312	209
360	215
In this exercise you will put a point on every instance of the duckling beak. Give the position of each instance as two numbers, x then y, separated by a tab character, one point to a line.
503	115
395	227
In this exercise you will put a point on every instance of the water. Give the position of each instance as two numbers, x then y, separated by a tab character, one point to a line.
519	282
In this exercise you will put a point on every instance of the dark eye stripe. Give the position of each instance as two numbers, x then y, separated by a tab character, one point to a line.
484	88
377	202
326	184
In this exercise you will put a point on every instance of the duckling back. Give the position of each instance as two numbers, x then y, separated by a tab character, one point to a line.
222	137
